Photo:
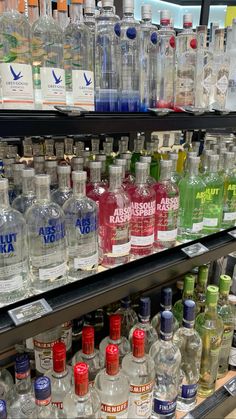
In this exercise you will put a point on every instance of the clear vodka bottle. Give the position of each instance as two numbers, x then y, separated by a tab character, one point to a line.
95	188
167	358
113	386
15	59
7	391
79	72
107	58
129	44
229	205
128	316
140	370
175	175
82	225
90	22
230	101
84	401
64	191
221	70
204	80
51	170
144	324
48	59
24	201
200	289
13	251
44	407
47	239
165	304
39	165
114	338
189	342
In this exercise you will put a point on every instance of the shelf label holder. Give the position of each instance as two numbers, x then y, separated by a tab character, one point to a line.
29	312
194	250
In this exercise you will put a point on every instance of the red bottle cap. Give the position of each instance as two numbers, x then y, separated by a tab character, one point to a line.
138	343
59	357
115	326
88	340
81	378
112	359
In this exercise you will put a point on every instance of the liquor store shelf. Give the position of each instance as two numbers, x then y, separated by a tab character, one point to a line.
78	298
34	123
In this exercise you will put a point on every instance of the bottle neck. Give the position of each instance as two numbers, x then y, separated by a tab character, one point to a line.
193	169
76	12
4	199
187	295
79	189
11	5
42	192
28	186
23	382
213	166
164	308
95	175
224	298
33	13
115	183
46	8
144	320
211	310
64	181
141	176
62	19
165	173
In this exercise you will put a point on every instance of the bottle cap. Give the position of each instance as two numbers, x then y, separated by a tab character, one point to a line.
50	163
81	378
88	340
166	164
3	409
77	1
115	326
189	313
166	297
145	159
212	294
79	176
145	307
59	356
28	172
128	6
189	282
95	165
101	157
138	343
33	3
164	17
125	302
166	324
22	364
63	170
42	388
39	159
187	20
62	5
112	359
107	3
146	11
3	184
42	180
115	170
203	274
122	163
225	283
89	6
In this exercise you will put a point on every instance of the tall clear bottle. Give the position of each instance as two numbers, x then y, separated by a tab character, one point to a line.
229	205
90	22
64	191
33	11
24	201
165	304
107	58
230	101
15	59
47	239
128	316
221	70
78	68
200	289
48	60
82	226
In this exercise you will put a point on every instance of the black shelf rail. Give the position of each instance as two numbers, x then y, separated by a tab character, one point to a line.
78	298
33	123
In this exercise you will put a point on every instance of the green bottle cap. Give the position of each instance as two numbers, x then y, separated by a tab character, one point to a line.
212	294
203	274
225	283
189	282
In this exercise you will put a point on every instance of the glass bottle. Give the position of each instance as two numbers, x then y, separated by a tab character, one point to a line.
84	401
230	101
64	191
89	21
165	304
17	179
138	147
43	349
7	391
51	170
225	311
114	338
77	164
81	223
165	149
62	14
151	181
128	316
140	370
44	407
229	205
24	201
102	158
145	324
188	291
47	239
221	70
48	60
129	179
175	176
95	188
192	192
33	11
210	327
39	165
13	251
200	289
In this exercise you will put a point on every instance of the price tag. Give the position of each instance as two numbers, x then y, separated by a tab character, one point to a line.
195	250
232	233
29	312
230	386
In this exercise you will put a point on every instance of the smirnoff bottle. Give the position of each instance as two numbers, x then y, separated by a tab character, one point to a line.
221	70
95	188
128	316
24	201
114	338
186	45
143	204
43	349
229	205
204	86
82	225
64	191
167	207
165	304
114	222
113	386
15	59
140	369
144	324
47	239
48	59
107	51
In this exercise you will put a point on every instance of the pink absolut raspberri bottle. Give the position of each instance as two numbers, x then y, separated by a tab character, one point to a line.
167	207
143	204
114	222
95	188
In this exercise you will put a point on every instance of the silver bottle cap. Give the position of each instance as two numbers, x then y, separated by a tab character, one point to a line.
101	157
64	170
128	6
95	165
42	180
3	184
122	163
164	16
141	172
28	172
145	159
166	163
146	11
89	6
115	170
50	163
79	176
107	3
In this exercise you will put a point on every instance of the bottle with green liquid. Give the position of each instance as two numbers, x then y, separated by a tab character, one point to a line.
138	147
229	206
175	175
188	290
201	287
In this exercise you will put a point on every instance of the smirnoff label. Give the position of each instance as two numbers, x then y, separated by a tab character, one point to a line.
115	411
43	355
140	402
58	405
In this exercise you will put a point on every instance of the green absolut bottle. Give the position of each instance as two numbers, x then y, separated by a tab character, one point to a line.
200	290
229	206
188	290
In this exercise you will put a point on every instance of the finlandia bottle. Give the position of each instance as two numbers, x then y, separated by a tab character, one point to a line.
14	283
24	201
79	71
108	52
83	401
165	304
114	222
230	101
204	82
210	327
200	289
15	59
47	239
64	191
140	370
225	311
143	205
229	205
82	225
128	316
188	290
48	60
95	188
221	70
44	407
167	359
186	46
113	386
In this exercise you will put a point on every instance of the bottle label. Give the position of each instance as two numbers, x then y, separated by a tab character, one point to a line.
168	204
86	263
22	376
210	222
143	209
53	273
121	249
53	86
43	355
48	259
120	216
17	85
167	235
53	232
13	284
164	407
58	405
142	240
229	216
114	411
232	357
189	391
197	227
66	335
222	84
140	400
86	225
83	89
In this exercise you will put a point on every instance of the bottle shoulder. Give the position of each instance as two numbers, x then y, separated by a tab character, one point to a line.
138	368
74	205
11	215
47	209
118	383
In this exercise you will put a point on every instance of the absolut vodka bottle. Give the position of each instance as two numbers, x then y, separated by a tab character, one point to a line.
107	58
129	75
27	198
64	191
82	226
47	239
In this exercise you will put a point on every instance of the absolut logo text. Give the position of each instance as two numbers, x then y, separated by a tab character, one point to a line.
7	242
168	204
51	234
86	225
121	215
143	209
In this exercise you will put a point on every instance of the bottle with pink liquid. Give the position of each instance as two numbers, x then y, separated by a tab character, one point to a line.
95	188
167	206
129	178
126	182
143	204
114	221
